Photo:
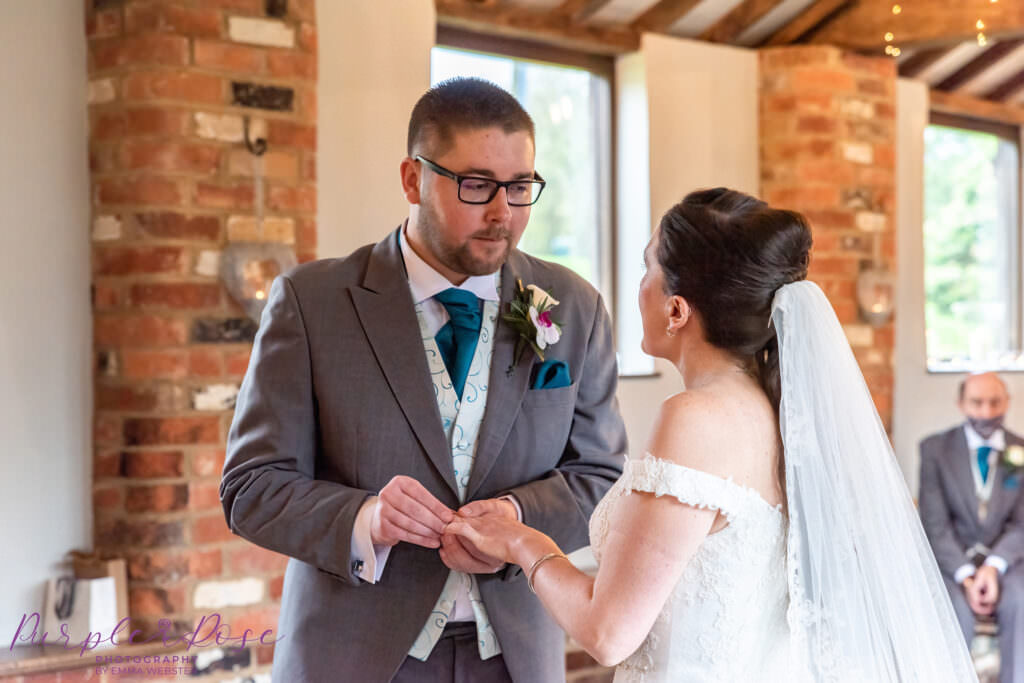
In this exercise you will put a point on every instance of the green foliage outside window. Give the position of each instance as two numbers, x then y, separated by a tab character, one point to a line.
968	244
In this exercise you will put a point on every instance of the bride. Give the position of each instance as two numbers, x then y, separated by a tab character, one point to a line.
766	534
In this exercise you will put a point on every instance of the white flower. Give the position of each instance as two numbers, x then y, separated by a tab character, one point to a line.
1015	455
539	295
547	331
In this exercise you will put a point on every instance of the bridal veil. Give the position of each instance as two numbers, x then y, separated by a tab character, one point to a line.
867	602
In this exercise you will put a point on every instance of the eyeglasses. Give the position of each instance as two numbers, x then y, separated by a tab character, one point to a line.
476	190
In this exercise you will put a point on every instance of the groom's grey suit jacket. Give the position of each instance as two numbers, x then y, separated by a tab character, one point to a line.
337	400
949	503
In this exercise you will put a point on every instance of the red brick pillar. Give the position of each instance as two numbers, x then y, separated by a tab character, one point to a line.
169	85
827	139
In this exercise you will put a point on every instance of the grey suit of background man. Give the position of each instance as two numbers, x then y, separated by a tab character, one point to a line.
972	507
337	442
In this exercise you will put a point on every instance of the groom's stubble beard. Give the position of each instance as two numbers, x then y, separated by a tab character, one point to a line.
459	257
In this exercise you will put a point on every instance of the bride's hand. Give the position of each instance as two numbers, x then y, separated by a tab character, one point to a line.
493	535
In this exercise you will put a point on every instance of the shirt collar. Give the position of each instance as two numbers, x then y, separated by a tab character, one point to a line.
974	440
425	282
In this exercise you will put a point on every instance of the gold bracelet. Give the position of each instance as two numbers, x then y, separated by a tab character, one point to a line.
536	565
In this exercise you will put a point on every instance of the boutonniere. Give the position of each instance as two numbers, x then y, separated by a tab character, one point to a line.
530	315
1013	461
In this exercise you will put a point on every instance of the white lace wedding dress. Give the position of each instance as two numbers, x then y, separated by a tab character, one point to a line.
725	621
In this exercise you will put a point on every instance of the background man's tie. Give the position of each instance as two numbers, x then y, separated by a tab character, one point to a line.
983	452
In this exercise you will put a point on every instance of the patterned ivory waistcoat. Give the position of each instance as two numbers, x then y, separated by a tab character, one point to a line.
461	421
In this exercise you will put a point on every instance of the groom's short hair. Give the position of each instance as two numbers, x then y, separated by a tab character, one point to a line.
462	104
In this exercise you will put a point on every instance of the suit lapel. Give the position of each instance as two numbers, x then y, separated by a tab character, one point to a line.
388	316
958	461
505	392
1002	498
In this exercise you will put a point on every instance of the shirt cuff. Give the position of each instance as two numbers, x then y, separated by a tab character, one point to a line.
998	562
367	559
515	503
964	571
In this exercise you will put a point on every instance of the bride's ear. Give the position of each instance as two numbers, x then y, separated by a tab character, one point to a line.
679	312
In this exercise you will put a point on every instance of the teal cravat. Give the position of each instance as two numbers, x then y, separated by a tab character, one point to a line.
457	338
983	452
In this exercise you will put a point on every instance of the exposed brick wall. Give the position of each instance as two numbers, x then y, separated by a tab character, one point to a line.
172	184
827	138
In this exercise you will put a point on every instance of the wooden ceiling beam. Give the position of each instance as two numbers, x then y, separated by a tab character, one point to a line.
965	105
660	17
807	22
916	64
549	27
1007	89
979	64
921	24
738	19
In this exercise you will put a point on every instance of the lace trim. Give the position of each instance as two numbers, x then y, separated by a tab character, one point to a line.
695	487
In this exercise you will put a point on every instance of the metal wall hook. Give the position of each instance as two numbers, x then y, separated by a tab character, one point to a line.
257	146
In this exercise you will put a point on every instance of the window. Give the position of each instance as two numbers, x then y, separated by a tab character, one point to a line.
972	246
569	98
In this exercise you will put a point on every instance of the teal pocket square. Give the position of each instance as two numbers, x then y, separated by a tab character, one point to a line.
551	374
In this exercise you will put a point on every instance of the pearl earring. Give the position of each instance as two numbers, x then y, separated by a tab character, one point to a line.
669	331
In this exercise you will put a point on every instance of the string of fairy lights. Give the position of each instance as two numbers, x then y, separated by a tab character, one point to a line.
893	50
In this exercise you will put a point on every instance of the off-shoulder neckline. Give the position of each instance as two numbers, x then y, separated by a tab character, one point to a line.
748	491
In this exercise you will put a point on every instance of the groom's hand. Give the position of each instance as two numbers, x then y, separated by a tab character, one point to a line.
460	554
406	511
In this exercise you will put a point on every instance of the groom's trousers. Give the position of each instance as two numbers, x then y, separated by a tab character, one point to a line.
455	659
1009	618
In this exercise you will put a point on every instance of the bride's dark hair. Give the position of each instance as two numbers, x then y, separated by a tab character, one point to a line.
727	253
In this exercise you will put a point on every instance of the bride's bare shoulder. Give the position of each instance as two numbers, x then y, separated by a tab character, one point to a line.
710	430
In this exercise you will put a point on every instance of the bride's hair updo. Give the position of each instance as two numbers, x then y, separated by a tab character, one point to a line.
727	253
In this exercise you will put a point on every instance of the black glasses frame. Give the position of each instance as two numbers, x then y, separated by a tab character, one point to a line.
498	184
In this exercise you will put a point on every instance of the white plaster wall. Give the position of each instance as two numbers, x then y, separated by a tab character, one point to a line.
374	65
45	317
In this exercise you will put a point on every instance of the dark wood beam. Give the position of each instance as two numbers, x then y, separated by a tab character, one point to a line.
979	64
548	27
807	22
1007	89
737	20
921	24
965	105
603	65
660	17
916	63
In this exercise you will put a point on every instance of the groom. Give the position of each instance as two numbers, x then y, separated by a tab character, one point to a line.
972	509
384	396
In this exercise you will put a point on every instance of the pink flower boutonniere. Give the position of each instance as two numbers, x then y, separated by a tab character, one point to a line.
530	315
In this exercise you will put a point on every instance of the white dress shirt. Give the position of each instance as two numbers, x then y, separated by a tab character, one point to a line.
984	489
424	283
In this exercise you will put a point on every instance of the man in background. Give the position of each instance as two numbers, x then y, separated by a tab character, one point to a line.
972	508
